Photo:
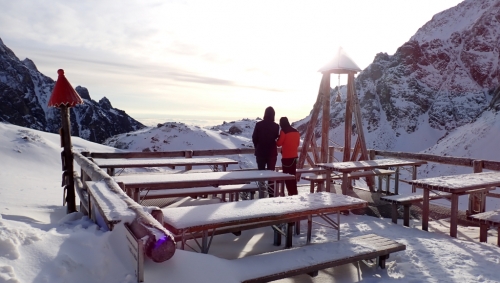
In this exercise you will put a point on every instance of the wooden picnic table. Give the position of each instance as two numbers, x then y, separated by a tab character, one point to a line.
112	163
256	213
350	166
136	182
456	185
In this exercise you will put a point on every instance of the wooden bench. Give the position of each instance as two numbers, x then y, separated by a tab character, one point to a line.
406	201
319	180
314	257
233	191
486	220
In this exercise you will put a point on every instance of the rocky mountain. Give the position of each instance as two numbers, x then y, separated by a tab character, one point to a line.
445	77
25	92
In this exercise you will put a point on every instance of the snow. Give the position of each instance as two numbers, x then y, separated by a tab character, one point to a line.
40	243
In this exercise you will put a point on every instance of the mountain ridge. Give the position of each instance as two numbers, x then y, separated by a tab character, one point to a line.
25	92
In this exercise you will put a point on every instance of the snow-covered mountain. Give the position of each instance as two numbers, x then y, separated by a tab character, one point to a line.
173	136
25	92
444	79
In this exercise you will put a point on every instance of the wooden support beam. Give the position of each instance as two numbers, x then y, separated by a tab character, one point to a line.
325	123
358	117
348	124
314	150
310	127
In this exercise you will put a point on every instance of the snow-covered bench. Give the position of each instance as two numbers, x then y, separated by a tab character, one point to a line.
319	180
313	257
486	220
406	201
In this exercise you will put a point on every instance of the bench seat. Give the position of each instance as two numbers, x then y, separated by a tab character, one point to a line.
406	201
232	190
486	220
319	180
313	257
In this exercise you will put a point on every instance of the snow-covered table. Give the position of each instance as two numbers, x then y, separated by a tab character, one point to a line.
190	222
456	185
213	162
136	182
350	166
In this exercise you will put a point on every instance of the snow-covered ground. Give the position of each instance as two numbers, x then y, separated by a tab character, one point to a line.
40	243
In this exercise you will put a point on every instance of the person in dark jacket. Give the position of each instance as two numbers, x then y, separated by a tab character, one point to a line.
264	137
289	141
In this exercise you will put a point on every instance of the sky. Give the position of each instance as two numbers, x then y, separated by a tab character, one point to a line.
203	61
39	242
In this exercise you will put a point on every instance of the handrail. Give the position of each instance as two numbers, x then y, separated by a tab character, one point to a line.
160	244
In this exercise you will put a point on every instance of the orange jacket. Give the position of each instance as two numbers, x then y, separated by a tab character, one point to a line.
290	143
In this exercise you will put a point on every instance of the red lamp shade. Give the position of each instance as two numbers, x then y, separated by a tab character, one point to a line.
64	93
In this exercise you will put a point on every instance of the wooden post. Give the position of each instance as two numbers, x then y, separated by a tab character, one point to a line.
325	124
358	118
331	153
188	154
348	124
68	160
477	200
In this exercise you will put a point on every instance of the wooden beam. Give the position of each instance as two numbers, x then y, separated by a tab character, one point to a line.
325	124
355	152
310	127
314	150
348	124
358	118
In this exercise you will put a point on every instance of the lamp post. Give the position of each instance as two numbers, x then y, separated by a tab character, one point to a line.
64	96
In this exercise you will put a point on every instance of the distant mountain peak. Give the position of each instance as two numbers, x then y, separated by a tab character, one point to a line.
25	92
30	64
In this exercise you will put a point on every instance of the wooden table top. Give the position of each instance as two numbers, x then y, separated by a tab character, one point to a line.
202	217
161	162
189	180
459	183
350	166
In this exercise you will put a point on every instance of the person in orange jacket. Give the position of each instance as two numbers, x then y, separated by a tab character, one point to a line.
289	141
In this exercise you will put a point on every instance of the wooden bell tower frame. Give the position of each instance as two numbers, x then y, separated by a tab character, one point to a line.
341	64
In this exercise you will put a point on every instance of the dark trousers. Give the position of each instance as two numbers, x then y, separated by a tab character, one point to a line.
290	167
267	163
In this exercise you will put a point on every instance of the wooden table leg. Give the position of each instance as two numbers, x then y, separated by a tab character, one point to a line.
345	182
289	234
406	215
483	232
204	242
454	215
328	181
136	194
394	213
309	229
425	211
